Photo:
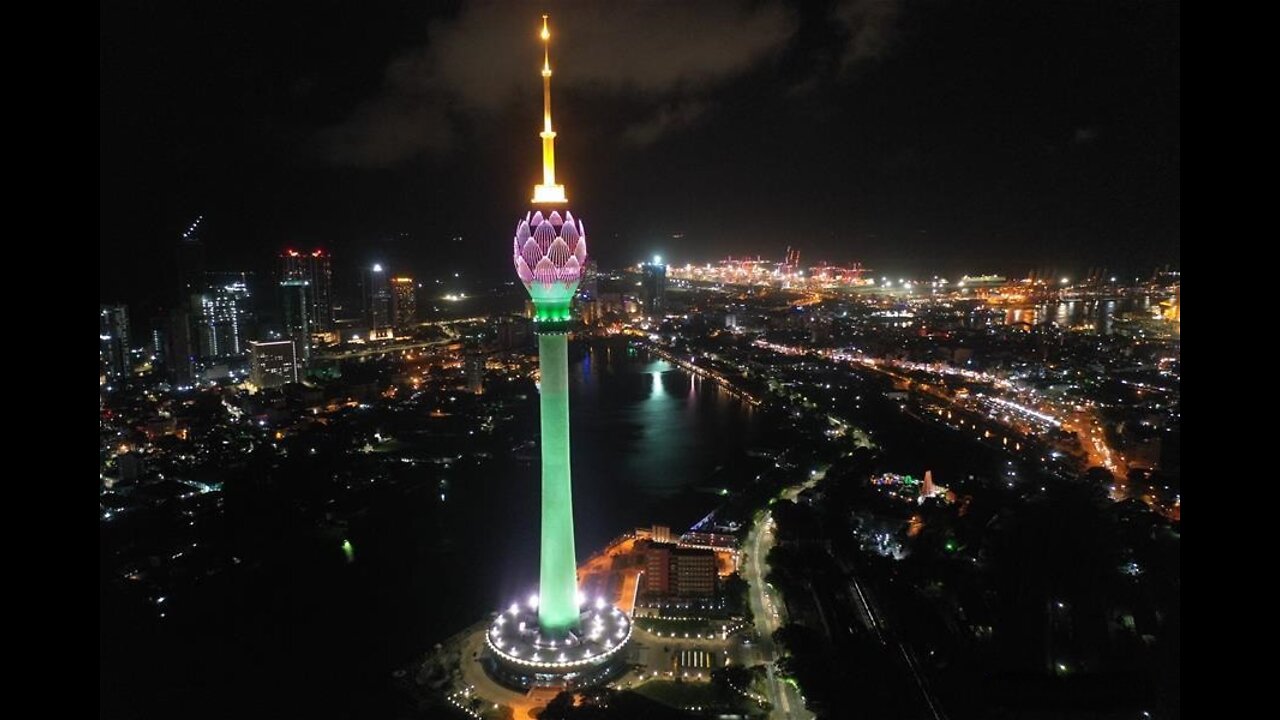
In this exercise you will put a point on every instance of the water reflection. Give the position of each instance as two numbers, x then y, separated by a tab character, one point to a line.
1096	315
644	433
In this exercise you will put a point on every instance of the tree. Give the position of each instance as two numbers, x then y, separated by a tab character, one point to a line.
560	707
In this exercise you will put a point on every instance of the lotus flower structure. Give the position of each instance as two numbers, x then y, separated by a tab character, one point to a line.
549	253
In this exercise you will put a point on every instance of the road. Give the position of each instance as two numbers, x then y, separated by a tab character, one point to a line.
766	604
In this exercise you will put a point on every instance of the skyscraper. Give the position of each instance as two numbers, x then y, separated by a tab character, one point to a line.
474	369
375	297
588	292
183	346
113	342
222	316
557	639
404	302
654	287
295	301
315	269
180	350
272	364
191	280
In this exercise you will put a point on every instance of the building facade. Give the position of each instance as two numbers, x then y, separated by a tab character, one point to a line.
672	571
653	287
223	314
113	342
272	364
315	270
404	302
375	297
297	310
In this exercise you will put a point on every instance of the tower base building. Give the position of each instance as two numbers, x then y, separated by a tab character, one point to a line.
521	655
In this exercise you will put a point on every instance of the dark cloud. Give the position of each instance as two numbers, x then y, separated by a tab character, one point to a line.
1014	133
1084	135
869	24
673	115
388	130
670	55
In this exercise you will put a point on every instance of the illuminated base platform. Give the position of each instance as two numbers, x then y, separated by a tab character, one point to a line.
519	656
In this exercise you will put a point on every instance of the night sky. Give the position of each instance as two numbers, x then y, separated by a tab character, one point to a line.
917	137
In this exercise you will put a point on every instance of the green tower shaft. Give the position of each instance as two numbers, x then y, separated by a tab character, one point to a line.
558	575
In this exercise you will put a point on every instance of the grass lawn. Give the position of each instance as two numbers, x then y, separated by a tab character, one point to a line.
679	694
696	694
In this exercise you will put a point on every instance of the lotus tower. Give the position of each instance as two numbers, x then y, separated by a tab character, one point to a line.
557	637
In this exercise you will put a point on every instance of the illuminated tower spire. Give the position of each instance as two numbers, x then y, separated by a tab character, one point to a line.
547	191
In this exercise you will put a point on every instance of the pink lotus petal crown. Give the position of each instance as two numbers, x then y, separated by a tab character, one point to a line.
550	250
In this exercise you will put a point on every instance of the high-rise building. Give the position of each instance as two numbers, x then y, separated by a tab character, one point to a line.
223	315
113	342
611	295
306	302
272	364
475	373
679	572
375	297
653	286
511	333
557	638
404	302
588	294
589	287
315	270
295	302
191	280
157	337
180	347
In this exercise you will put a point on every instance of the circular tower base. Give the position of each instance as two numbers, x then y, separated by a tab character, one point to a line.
521	656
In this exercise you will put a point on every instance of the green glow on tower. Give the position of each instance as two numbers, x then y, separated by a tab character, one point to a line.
552	303
558	577
548	251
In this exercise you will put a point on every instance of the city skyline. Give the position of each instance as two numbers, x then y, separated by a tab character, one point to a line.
866	401
1047	139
